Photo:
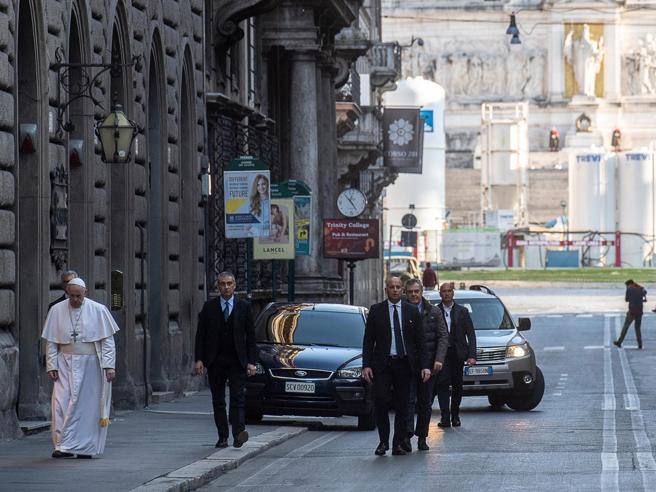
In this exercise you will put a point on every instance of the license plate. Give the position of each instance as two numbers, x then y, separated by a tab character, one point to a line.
478	371
295	387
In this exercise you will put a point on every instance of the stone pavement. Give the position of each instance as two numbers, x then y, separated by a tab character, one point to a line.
169	440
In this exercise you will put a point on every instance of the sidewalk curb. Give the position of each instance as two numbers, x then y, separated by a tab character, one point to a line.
203	471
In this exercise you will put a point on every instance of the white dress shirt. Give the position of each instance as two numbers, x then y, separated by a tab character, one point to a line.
447	316
390	308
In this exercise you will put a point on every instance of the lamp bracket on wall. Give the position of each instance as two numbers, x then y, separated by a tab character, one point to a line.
78	81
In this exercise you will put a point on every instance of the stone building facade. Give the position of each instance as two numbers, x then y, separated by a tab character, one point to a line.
214	79
143	219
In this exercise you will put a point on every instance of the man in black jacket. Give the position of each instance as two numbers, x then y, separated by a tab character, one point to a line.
393	352
461	351
635	295
436	340
225	345
66	277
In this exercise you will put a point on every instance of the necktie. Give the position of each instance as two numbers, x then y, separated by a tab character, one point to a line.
226	311
398	339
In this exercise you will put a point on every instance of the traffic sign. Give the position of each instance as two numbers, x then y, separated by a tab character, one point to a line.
409	221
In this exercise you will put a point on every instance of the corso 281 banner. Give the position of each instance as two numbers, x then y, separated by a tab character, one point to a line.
403	139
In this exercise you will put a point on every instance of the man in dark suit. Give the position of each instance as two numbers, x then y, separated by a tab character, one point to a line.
225	345
393	351
436	340
461	351
66	277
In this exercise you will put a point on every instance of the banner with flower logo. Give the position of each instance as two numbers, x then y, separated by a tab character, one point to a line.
403	139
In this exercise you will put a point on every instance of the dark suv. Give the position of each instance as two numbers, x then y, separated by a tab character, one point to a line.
310	363
506	370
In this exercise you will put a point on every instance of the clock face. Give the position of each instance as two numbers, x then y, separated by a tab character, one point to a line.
351	202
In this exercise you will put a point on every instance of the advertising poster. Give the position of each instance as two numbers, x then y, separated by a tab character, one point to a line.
302	214
247	198
280	243
351	239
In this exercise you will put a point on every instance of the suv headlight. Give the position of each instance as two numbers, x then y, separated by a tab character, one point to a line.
515	351
353	372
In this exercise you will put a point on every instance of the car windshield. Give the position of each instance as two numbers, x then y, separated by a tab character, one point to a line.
486	314
305	326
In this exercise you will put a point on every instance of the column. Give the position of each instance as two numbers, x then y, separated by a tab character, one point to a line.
556	63
304	146
612	62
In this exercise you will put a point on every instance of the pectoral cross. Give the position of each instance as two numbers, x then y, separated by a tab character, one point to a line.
74	335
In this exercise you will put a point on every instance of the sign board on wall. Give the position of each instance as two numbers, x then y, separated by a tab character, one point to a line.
247	198
470	248
351	239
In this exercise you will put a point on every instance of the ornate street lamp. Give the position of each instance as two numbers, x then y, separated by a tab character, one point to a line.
116	134
115	131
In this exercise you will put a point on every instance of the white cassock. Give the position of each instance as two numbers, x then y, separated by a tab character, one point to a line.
80	344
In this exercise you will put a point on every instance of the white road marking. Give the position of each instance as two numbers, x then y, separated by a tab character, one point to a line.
609	463
261	477
646	461
594	347
584	315
554	349
558	394
631	402
554	316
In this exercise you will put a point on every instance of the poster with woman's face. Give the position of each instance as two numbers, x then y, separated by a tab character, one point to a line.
280	243
247	203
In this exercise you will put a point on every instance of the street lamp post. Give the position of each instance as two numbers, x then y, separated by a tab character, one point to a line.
563	205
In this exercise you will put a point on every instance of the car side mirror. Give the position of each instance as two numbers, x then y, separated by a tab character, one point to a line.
524	324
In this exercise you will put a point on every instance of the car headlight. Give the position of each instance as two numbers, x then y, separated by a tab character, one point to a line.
514	351
350	372
259	368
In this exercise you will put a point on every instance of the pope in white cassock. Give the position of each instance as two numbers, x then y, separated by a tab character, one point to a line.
80	360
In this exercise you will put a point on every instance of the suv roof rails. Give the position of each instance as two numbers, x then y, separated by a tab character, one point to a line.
482	288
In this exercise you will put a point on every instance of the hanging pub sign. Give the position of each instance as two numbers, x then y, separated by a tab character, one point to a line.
351	239
247	198
403	139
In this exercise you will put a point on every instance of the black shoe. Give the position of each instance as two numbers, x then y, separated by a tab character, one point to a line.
61	454
398	451
455	422
617	344
83	456
639	347
241	438
444	423
407	447
421	444
222	443
381	448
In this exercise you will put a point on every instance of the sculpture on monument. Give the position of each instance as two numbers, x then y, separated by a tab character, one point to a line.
585	55
643	66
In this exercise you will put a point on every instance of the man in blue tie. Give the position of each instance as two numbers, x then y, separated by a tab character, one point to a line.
225	345
393	352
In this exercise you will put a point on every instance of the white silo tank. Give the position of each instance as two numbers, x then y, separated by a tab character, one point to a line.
425	191
636	216
592	197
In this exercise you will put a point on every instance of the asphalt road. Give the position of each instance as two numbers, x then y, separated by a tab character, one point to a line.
594	429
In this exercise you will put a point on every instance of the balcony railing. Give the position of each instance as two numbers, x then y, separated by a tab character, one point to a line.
386	63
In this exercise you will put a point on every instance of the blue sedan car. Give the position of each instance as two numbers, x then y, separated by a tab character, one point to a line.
310	363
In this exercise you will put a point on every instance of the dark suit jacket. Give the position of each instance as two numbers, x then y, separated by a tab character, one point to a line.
58	300
462	335
210	324
436	338
378	337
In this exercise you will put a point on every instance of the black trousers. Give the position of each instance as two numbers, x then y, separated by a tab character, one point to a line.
391	389
424	405
450	375
637	318
218	374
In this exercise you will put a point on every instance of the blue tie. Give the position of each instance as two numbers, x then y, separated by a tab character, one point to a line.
226	311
